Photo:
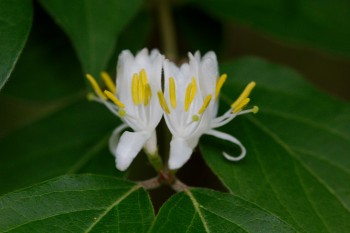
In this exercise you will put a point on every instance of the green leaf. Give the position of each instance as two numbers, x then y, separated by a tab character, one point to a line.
92	26
322	24
84	203
298	147
201	210
45	71
70	139
15	22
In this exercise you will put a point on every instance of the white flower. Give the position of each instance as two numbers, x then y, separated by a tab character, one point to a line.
190	103
133	99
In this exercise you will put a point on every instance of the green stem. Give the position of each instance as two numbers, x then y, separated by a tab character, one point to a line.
155	160
167	29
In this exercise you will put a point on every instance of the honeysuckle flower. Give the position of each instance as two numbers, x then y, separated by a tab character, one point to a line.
190	103
134	101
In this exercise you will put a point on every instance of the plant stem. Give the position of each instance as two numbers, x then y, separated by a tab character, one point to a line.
167	29
150	184
155	160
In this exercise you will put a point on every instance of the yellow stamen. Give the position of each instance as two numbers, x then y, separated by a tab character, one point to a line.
122	112
114	99
195	118
219	84
244	95
255	109
194	89
241	105
163	103
135	89
143	76
108	82
90	96
148	94
205	104
188	96
141	90
96	87
172	92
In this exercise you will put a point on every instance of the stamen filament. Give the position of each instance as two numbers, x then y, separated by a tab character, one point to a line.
241	105
245	94
108	82
96	87
205	104
114	99
172	92
219	84
163	103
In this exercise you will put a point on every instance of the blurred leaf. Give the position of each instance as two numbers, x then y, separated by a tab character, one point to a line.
189	22
15	22
85	203
297	164
201	210
136	35
45	71
322	24
70	139
92	26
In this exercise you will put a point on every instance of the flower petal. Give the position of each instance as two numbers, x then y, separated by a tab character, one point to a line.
180	152
114	139
232	139
129	146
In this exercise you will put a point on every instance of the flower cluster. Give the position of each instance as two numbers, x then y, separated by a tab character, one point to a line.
188	101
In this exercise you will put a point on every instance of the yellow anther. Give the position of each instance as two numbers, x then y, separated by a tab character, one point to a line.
141	91
195	118
172	92
190	93
255	109
108	82
241	105
114	99
143	76
244	95
90	96
188	96
205	104
135	89
163	103
194	89
95	86
219	84
148	94
121	112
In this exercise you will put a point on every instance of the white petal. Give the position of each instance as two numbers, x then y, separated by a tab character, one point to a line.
114	139
232	139
129	146
180	152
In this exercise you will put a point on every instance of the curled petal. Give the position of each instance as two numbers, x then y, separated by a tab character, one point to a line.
232	139
129	146
180	152
114	139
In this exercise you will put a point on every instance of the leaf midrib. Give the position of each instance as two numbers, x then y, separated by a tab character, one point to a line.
120	199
